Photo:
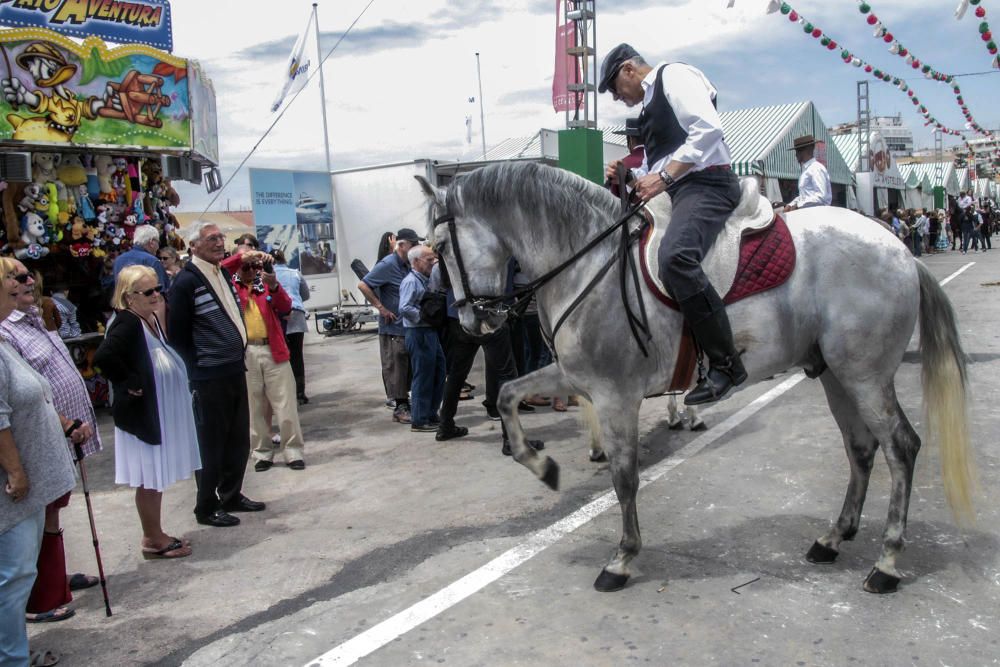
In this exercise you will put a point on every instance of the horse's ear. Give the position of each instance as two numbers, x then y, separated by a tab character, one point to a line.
435	194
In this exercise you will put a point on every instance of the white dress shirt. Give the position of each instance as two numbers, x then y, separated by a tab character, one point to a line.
814	186
965	202
690	95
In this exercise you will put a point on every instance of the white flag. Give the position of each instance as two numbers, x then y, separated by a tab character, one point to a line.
468	129
296	71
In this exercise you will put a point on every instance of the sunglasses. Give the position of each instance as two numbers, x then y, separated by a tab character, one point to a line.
149	292
21	277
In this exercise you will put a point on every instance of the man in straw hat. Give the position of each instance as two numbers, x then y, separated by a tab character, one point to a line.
814	181
687	157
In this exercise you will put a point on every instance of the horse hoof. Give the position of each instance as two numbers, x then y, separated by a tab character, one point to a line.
820	554
609	583
551	476
600	458
880	582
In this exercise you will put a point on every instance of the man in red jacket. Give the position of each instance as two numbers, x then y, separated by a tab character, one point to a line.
269	373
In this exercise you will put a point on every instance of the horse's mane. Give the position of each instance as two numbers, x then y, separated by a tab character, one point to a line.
536	189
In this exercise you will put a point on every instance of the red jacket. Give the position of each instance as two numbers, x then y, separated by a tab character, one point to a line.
272	304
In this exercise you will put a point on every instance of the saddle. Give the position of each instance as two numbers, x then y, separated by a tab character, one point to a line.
753	253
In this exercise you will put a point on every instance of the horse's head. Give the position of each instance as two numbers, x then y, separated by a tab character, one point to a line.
474	256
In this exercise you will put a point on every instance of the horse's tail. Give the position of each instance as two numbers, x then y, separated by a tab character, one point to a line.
945	384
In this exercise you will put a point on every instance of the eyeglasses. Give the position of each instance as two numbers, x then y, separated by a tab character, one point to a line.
214	238
149	292
21	277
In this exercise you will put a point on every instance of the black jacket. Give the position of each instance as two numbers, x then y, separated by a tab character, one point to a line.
200	328
123	358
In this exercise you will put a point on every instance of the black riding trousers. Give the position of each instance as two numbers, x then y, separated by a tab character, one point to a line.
701	204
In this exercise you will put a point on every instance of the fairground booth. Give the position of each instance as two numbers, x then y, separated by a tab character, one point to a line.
880	184
91	136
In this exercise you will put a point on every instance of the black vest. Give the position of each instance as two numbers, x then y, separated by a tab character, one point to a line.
658	124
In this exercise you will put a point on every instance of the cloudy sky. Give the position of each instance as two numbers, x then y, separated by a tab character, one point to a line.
397	87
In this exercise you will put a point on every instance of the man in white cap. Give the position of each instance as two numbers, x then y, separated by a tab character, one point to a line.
687	157
814	181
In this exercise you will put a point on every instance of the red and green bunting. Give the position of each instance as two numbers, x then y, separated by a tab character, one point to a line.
897	48
985	34
849	58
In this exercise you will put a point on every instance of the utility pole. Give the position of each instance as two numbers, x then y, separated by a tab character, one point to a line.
482	114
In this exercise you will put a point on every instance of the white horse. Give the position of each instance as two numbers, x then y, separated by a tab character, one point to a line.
845	314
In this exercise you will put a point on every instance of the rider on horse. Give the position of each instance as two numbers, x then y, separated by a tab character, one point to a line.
686	157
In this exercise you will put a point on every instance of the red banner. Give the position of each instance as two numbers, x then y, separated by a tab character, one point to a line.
567	68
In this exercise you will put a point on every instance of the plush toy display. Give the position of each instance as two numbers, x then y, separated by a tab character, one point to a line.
105	166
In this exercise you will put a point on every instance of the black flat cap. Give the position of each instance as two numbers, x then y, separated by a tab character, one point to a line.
631	128
612	63
407	234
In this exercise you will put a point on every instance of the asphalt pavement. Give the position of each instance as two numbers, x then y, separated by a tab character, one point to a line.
394	549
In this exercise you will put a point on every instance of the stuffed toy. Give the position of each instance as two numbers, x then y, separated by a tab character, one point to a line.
84	205
32	192
32	237
120	185
105	166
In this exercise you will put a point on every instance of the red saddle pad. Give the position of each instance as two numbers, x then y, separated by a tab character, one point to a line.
767	259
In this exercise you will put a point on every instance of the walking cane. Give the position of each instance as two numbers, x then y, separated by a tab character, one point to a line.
93	527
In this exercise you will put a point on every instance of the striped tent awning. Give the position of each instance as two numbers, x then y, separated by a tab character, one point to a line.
760	139
948	179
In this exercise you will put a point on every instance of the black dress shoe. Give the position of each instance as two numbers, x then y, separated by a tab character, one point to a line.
244	504
219	519
449	432
297	464
262	465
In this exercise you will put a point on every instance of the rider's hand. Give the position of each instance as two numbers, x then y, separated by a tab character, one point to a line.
611	171
649	186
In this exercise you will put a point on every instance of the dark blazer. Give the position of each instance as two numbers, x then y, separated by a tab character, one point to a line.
200	329
123	358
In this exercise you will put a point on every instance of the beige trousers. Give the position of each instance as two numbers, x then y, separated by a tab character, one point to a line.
268	382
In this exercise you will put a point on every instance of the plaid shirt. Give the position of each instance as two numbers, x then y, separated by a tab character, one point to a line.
46	353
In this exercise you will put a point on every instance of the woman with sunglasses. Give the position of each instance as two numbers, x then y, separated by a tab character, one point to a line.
155	439
35	470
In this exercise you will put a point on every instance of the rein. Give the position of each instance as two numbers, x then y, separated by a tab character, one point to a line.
519	298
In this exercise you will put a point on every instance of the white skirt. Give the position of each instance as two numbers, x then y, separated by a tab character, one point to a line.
139	464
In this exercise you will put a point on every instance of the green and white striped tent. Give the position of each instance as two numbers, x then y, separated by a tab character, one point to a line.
947	184
760	139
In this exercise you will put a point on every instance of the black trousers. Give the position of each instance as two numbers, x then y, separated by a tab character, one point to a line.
222	417
702	202
295	342
460	353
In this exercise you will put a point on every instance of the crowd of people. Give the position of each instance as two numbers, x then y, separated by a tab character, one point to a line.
203	356
967	225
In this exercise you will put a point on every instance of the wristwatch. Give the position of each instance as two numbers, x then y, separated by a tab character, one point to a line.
667	179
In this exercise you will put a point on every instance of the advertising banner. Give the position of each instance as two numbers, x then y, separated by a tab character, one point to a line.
293	211
204	114
58	92
136	22
567	68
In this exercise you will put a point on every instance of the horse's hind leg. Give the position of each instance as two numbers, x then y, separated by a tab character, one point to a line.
881	411
620	433
861	445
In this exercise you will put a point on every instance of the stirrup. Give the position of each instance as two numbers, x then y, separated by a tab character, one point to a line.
709	391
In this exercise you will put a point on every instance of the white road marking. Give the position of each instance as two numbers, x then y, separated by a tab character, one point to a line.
379	635
955	275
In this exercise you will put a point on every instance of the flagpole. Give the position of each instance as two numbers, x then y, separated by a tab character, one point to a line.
482	115
322	91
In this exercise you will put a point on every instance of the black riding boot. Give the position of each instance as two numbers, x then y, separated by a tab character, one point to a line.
706	314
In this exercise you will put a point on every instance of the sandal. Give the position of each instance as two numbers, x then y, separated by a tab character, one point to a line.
169	551
43	659
50	616
79	581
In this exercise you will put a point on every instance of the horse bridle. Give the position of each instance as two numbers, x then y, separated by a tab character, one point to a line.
485	306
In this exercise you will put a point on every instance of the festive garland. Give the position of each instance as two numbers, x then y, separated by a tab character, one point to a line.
850	59
984	28
896	48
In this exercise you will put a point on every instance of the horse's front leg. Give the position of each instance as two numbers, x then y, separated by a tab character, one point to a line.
620	433
550	381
